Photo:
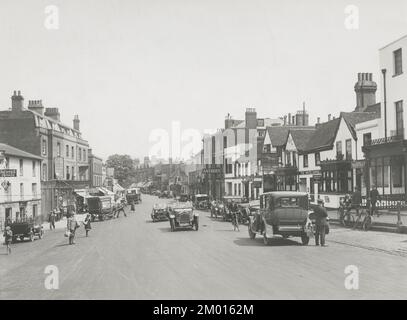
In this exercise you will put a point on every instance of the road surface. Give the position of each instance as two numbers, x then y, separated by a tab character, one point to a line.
134	258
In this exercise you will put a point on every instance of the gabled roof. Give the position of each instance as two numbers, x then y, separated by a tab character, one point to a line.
353	118
12	151
279	134
324	136
301	137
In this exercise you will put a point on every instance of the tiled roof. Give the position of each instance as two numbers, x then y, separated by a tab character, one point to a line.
323	136
353	118
301	137
279	134
376	108
12	151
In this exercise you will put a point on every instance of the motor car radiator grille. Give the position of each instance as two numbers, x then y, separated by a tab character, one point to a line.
184	218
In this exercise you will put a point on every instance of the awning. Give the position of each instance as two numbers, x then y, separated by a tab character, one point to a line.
117	188
81	193
107	192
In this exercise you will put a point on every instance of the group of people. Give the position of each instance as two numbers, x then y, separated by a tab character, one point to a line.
73	224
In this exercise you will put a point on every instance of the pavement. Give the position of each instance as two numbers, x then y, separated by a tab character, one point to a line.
134	258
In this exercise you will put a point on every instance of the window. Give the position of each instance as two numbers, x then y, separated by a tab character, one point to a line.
305	161
235	186
399	118
225	142
34	190
317	158
72	152
7	163
58	149
67	173
295	159
348	144
22	190
267	148
84	155
287	158
34	168
73	173
67	150
80	154
21	167
240	189
44	147
367	138
35	210
44	172
339	150
398	63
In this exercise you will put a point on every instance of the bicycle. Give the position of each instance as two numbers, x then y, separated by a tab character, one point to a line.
366	222
345	216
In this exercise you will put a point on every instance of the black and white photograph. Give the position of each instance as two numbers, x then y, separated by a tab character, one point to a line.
192	150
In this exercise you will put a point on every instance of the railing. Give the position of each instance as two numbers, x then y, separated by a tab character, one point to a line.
390	139
393	201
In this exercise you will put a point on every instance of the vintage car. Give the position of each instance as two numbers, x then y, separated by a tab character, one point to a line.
201	201
182	215
101	207
282	213
183	197
217	209
159	212
133	195
26	228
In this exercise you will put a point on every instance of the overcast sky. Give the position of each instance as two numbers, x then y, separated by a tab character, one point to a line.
128	67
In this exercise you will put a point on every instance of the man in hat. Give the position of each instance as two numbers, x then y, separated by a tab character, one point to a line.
374	196
320	222
8	237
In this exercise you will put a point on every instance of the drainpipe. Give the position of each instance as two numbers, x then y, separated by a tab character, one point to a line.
385	103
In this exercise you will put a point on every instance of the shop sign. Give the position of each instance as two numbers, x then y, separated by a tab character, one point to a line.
212	171
309	172
317	177
8	173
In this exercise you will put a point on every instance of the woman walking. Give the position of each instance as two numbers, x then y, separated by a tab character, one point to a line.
72	225
86	223
8	238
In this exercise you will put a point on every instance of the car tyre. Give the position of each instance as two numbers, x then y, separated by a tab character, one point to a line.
304	240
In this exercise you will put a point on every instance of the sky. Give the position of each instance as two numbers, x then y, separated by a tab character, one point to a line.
129	68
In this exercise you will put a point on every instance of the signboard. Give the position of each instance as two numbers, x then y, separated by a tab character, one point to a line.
317	177
358	164
212	171
309	172
8	173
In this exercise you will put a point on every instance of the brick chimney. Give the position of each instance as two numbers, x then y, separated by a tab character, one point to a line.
251	118
365	90
36	106
76	122
52	113
17	101
329	117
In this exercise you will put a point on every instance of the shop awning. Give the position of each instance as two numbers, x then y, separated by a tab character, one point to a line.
105	191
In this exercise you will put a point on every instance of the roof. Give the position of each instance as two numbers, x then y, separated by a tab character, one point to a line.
12	151
376	108
279	134
353	118
324	135
301	137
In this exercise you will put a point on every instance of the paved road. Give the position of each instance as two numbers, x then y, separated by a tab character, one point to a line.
134	258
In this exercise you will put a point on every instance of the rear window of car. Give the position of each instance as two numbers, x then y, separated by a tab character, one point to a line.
290	202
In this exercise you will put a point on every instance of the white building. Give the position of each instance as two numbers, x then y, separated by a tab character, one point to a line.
20	184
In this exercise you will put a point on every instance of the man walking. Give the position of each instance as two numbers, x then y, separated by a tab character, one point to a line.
8	237
374	196
72	225
356	200
52	218
321	215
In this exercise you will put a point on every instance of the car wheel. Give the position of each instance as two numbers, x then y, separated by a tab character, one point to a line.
304	239
196	223
21	238
252	234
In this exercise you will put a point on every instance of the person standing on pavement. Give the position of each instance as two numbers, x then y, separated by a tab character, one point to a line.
356	200
87	224
8	238
374	196
72	225
52	217
320	223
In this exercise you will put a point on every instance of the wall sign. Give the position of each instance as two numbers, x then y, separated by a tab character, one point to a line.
8	173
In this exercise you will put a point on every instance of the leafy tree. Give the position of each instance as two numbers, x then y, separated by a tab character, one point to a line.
124	170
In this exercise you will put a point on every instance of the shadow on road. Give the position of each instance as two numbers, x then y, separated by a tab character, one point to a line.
62	245
258	242
186	229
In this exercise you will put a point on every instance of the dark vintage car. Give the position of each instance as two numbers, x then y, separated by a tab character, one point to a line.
281	213
182	215
26	228
101	207
133	195
159	212
201	201
218	209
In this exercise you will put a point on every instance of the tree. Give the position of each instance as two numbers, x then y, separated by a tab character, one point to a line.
124	170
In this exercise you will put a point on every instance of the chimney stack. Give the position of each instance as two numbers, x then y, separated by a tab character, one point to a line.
289	118
17	101
251	118
285	120
318	120
36	106
329	117
293	120
365	90
76	122
52	113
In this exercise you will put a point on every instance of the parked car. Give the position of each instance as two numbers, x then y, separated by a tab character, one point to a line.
182	215
26	228
201	201
281	213
159	212
101	207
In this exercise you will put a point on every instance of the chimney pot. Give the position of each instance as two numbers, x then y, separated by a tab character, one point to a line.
329	117
318	120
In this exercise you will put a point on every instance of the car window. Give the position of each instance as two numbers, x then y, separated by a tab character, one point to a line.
289	202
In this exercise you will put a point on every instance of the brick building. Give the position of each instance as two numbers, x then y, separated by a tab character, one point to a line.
63	151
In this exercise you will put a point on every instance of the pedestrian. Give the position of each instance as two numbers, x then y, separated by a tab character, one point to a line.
52	217
87	224
320	223
8	238
374	196
356	200
72	225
